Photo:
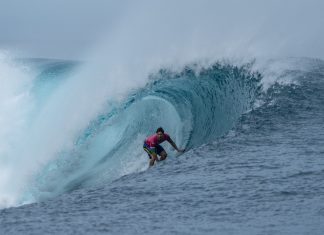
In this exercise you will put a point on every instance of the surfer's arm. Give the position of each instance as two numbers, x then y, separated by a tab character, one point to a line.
174	145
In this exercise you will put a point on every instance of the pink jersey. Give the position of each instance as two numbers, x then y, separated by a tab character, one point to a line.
153	141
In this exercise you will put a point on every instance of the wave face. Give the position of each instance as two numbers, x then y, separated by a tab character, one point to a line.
195	105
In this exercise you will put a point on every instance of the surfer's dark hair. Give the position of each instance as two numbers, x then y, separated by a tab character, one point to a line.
160	129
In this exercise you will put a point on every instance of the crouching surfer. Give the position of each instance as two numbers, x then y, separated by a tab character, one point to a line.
153	148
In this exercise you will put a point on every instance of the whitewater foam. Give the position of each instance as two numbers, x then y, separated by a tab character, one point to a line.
16	102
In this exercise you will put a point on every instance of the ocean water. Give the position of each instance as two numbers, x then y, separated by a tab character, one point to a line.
72	162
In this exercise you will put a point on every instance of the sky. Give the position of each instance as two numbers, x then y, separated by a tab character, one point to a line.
53	28
72	29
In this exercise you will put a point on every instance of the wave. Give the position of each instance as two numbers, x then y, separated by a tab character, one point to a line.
195	105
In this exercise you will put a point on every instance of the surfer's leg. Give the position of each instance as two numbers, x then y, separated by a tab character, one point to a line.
153	159
163	155
160	151
151	152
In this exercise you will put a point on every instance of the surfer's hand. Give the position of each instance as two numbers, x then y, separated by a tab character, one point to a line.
181	150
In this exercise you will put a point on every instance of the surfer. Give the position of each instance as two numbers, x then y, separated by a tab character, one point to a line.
153	148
